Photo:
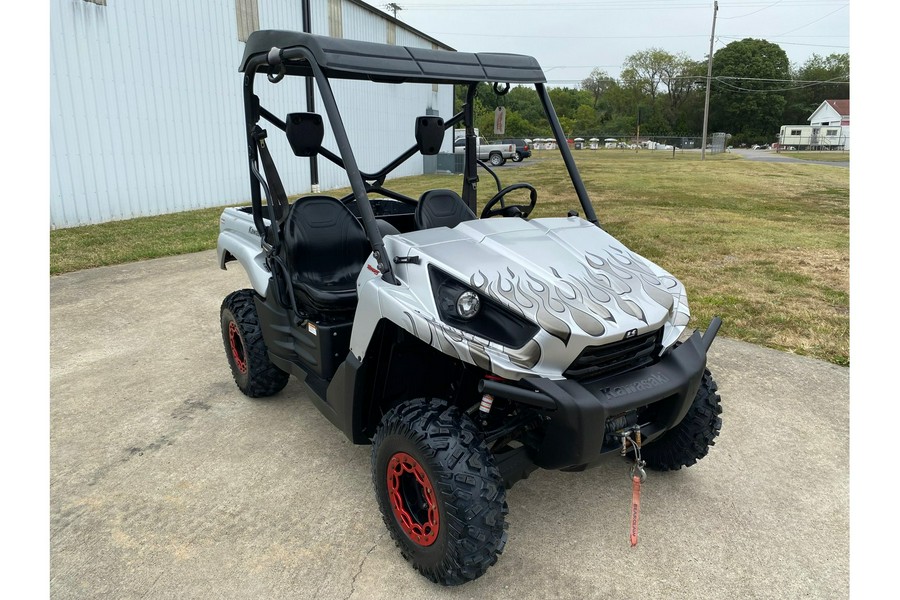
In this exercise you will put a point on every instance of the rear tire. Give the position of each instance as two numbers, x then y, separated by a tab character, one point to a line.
689	441
517	157
248	356
440	494
497	159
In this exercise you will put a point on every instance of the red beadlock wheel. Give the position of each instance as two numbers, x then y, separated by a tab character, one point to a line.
248	357
413	499
439	491
237	347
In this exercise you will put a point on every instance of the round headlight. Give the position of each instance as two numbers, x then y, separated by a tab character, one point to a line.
467	304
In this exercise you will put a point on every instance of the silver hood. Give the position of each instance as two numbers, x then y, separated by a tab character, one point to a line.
579	284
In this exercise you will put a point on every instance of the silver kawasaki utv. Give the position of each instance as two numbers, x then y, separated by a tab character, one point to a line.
468	347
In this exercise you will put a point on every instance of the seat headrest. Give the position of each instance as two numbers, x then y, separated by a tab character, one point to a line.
441	208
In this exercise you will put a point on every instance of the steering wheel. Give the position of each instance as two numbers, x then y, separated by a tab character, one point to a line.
512	210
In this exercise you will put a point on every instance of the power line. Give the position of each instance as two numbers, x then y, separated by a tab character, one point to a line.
722	77
834	80
723	80
815	21
734	37
581	67
752	13
629	37
766	91
564	37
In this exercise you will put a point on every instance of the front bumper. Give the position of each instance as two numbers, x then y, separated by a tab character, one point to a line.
576	431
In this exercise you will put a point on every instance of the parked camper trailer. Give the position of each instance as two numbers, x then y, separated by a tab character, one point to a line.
814	137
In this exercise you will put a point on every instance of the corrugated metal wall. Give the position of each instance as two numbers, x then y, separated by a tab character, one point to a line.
146	111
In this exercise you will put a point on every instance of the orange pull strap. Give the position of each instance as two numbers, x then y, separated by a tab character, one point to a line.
635	508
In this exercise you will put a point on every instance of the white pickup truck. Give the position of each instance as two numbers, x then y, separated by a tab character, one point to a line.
496	154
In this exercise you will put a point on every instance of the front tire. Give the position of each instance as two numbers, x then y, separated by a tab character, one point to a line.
440	494
689	441
248	356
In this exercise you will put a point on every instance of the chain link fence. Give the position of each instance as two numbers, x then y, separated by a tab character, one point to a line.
716	143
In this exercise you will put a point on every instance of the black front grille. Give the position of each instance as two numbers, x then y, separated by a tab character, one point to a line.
596	362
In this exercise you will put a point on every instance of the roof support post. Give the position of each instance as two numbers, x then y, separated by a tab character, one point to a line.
251	117
310	102
356	181
470	169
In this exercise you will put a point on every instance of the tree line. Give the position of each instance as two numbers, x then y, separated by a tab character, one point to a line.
755	90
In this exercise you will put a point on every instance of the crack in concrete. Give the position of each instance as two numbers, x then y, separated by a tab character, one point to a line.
361	565
152	585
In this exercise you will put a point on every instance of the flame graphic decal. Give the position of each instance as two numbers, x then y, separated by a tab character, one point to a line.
587	300
605	280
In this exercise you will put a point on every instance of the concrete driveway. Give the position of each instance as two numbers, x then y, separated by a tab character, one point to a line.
167	483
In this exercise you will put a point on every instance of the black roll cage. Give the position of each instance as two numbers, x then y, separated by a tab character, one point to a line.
311	55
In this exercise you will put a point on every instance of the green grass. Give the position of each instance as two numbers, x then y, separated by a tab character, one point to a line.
118	242
763	245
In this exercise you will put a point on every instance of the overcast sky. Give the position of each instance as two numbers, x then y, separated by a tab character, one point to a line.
570	37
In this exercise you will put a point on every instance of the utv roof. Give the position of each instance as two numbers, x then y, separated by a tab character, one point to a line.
349	59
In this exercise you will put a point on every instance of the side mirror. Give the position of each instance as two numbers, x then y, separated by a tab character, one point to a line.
305	132
429	134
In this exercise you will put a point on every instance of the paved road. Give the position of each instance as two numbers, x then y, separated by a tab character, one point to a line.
772	156
167	483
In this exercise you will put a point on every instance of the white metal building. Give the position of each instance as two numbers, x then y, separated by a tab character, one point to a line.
831	112
146	112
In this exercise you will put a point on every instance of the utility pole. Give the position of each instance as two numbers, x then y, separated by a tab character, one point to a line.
637	141
712	38
394	7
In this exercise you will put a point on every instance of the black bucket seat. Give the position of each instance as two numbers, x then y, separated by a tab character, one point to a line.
325	248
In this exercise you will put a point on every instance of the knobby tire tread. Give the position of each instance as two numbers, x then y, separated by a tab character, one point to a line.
471	486
690	440
262	379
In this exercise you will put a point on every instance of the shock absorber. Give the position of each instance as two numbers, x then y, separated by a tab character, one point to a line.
486	402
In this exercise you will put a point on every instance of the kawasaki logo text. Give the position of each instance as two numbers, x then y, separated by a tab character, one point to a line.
618	391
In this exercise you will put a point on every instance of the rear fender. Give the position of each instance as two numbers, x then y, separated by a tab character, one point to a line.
250	256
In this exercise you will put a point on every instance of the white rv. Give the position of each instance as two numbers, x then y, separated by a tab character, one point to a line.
814	137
